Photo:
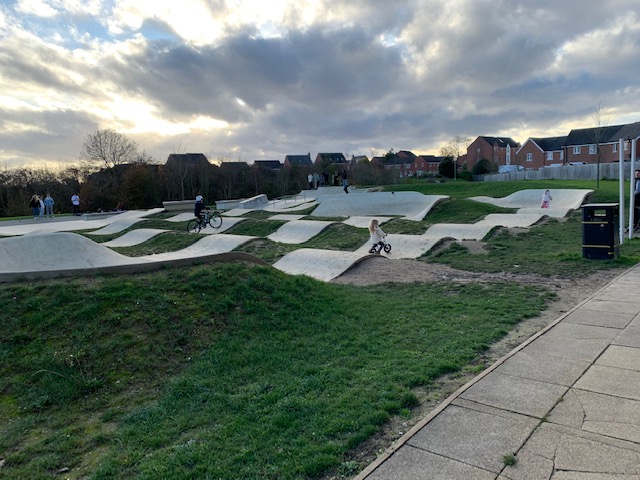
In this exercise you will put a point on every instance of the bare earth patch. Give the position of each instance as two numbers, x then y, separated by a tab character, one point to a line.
382	270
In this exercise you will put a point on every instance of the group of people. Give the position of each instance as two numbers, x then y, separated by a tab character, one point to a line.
44	207
40	207
316	180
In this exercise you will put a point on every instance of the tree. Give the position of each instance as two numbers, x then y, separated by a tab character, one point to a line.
111	148
484	166
446	167
453	148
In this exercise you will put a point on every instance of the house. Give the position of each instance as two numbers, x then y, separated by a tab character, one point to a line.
274	165
325	159
400	162
298	160
499	150
538	152
187	160
355	159
424	164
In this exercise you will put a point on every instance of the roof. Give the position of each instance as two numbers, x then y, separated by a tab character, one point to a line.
188	158
431	158
272	164
406	154
331	157
302	160
550	144
588	136
501	141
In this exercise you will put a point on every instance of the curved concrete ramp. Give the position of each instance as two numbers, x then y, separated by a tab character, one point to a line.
134	237
180	217
459	231
298	231
286	217
209	245
409	205
322	265
56	251
363	222
405	246
512	220
117	226
567	198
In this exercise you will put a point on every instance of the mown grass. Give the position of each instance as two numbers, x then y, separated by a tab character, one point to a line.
239	371
225	371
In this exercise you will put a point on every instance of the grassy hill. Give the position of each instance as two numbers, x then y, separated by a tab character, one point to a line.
240	371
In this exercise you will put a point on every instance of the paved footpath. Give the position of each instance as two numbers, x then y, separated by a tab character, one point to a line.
565	405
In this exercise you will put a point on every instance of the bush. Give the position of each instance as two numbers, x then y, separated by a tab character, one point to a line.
484	166
466	175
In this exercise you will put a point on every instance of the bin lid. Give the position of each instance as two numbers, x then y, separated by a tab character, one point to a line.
600	205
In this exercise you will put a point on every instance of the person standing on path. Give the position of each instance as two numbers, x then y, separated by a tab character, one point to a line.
546	199
48	205
41	206
345	181
75	202
34	204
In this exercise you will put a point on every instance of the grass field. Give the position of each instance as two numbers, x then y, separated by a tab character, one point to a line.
240	371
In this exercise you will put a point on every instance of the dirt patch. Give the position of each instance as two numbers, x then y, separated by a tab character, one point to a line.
569	293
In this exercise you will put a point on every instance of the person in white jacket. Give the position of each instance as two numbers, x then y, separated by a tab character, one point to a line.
377	236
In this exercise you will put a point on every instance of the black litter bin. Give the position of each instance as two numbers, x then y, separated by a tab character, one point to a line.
600	231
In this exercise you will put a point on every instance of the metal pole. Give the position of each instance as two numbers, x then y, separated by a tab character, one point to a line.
632	187
621	189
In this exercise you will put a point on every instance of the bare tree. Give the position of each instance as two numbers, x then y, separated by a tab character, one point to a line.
453	149
109	147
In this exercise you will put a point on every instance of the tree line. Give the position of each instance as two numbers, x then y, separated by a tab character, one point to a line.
113	170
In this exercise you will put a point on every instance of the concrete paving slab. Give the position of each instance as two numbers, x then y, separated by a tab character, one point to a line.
602	414
592	317
459	231
180	217
629	337
363	222
559	371
134	237
298	231
620	357
635	323
409	205
574	452
592	476
587	350
515	394
416	464
608	306
320	264
475	438
611	381
583	332
531	198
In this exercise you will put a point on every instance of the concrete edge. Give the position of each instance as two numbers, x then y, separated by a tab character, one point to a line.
383	457
133	268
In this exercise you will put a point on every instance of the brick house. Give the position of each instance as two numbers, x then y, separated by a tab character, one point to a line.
541	152
274	165
499	150
324	159
298	160
424	164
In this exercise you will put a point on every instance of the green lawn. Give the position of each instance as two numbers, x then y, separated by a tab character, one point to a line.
240	371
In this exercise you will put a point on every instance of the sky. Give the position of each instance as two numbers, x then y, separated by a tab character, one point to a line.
246	80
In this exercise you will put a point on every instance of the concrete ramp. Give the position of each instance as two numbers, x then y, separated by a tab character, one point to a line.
324	265
285	217
363	222
134	237
409	205
569	199
459	231
209	245
405	246
180	217
511	220
298	231
117	226
55	252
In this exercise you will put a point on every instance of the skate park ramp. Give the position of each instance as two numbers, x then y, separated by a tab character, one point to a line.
134	237
409	205
405	246
298	231
528	201
324	265
459	231
363	222
209	245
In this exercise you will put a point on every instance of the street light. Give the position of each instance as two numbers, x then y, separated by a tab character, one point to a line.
455	168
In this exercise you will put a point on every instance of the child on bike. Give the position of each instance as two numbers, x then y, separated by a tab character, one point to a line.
199	205
376	236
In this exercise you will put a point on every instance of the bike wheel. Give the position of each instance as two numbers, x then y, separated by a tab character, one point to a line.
387	248
215	221
193	226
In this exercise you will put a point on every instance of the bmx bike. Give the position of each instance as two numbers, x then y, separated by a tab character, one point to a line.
380	246
207	217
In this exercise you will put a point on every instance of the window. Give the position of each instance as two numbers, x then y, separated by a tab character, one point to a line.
576	150
615	147
561	155
529	157
592	149
549	155
626	146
